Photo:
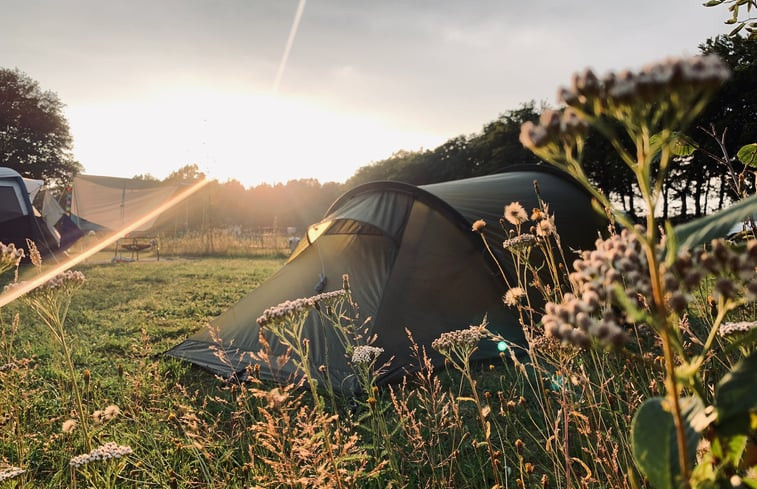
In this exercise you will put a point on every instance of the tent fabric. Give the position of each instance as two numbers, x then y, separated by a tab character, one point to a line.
19	220
413	262
112	202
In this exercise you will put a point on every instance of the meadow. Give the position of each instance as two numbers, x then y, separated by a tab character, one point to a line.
638	367
558	419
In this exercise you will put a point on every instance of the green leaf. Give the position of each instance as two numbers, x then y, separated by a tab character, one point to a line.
747	154
653	440
717	225
737	29
736	397
682	146
729	450
671	244
678	144
713	3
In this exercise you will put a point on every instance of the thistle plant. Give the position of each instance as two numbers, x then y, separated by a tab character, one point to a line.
641	276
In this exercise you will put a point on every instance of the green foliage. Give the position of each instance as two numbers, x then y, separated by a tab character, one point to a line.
34	133
738	18
716	225
747	155
653	439
736	398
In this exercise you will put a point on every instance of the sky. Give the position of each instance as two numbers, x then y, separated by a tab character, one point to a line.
152	85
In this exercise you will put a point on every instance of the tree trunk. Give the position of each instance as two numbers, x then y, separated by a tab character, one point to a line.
721	196
698	199
665	194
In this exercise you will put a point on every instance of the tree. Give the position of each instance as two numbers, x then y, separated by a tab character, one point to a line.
146	177
185	174
738	17
34	134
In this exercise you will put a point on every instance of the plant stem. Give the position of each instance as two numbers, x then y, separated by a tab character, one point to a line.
665	334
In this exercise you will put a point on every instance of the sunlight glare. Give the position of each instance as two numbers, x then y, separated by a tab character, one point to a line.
252	138
14	293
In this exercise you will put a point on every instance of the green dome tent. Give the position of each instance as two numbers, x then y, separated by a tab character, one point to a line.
413	262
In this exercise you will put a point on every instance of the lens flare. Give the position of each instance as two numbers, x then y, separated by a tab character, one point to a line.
29	285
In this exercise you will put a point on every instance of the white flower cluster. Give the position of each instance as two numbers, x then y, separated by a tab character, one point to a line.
291	308
10	472
728	329
365	354
554	127
69	278
105	452
734	272
623	95
461	338
616	263
651	82
327	296
7	366
733	268
10	256
520	242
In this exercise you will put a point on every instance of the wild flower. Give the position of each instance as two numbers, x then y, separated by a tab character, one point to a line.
7	366
733	328
68	279
111	412
10	472
10	256
546	227
107	414
69	426
461	338
479	225
513	296
520	242
34	255
102	453
67	282
363	354
288	309
515	213
636	277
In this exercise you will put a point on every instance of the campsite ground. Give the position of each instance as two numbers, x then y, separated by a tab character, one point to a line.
187	429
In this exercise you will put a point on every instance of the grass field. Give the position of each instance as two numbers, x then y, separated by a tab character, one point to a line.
560	421
119	322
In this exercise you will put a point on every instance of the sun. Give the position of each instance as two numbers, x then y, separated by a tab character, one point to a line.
250	137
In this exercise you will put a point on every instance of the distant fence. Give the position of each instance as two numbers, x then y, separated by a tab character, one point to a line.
216	242
225	242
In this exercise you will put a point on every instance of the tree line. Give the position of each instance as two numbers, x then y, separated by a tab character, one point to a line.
34	140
